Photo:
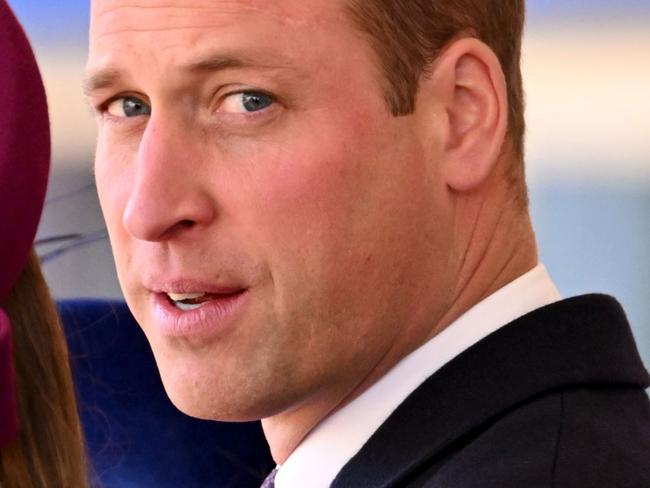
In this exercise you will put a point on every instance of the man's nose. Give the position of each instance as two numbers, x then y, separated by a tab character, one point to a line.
168	196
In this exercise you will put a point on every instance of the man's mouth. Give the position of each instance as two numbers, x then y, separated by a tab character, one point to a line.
187	302
197	310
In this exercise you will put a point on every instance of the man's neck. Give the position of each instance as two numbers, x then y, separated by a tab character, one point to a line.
509	252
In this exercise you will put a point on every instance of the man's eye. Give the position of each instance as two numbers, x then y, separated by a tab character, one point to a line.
246	102
128	107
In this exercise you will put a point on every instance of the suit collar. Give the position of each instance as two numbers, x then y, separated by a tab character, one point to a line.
580	341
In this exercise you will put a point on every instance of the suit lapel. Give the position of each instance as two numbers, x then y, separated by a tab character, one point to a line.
580	341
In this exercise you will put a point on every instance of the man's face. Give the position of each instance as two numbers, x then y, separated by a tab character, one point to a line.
247	164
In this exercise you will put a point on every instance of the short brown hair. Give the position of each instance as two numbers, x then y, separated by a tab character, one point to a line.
408	35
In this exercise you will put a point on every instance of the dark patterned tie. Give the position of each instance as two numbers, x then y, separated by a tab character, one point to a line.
269	482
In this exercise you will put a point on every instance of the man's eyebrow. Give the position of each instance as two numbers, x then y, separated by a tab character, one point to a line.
105	78
218	62
100	80
228	60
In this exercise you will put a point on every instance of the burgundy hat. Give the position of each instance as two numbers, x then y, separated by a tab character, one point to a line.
24	168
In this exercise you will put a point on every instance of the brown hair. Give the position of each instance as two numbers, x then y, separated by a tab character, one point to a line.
49	450
408	35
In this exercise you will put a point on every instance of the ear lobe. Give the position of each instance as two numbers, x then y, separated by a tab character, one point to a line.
475	97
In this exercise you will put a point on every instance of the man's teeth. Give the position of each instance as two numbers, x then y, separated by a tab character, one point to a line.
187	307
178	297
187	301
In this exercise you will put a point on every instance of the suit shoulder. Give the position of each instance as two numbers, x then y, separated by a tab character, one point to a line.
604	438
578	438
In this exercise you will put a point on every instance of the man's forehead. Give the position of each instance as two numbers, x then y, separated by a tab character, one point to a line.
155	26
116	15
204	35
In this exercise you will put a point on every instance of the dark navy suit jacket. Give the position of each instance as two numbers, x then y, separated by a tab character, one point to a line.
553	400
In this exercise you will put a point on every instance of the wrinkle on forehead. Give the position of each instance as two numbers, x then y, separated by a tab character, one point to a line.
170	31
118	16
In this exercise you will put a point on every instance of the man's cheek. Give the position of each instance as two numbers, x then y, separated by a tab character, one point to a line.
114	176
113	191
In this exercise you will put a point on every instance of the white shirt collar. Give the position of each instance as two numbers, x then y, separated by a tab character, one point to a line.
324	452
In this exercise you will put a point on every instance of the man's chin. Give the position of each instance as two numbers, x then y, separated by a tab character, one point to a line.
206	407
222	402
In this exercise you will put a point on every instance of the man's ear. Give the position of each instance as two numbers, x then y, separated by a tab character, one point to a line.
465	93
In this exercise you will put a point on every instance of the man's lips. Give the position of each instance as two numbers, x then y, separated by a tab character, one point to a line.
191	301
193	308
189	286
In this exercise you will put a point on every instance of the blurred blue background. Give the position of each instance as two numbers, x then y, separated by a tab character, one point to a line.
587	73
